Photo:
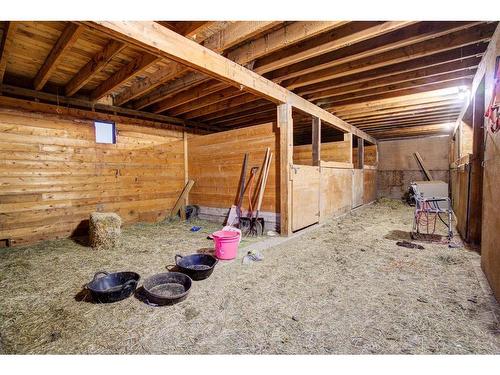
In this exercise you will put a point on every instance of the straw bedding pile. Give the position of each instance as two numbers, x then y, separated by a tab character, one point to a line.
343	288
104	230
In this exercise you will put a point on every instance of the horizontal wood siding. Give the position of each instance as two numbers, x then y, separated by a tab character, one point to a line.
330	151
215	162
53	174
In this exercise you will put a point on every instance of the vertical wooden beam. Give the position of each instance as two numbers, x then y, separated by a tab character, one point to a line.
316	140
6	45
476	183
348	138
186	165
285	124
68	37
361	153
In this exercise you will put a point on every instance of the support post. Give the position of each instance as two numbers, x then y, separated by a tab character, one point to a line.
285	124
348	138
316	141
186	174
476	165
361	153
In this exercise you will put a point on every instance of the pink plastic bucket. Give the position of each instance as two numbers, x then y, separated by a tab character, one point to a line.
226	244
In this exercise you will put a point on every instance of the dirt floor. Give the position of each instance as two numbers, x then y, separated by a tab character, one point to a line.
342	288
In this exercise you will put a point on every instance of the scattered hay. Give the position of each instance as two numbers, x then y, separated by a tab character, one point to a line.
315	294
104	230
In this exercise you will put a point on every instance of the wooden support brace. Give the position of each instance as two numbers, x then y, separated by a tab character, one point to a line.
316	141
361	153
421	163
181	199
285	123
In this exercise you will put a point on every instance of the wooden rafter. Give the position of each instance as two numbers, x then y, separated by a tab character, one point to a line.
6	46
444	43
227	93
159	40
187	96
218	40
336	39
423	89
371	81
68	37
236	33
286	35
396	87
94	66
126	73
397	39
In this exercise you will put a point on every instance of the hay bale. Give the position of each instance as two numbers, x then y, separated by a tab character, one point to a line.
104	230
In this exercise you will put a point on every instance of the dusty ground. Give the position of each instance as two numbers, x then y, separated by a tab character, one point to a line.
343	288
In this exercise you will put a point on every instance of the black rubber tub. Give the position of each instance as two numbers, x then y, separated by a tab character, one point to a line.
196	266
112	287
167	288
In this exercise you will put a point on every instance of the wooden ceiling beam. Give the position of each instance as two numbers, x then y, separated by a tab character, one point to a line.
68	37
125	74
393	94
348	115
173	69
94	66
403	100
233	33
170	89
236	33
6	45
444	43
412	119
230	111
412	34
408	112
187	96
335	39
222	105
289	34
219	96
453	58
245	114
274	41
397	87
410	125
412	131
405	75
159	40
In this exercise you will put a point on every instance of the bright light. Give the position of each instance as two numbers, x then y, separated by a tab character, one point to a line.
463	93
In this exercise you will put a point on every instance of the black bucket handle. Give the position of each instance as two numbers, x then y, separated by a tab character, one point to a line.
100	273
177	256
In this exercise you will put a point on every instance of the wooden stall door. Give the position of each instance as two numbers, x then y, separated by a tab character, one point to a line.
305	196
357	188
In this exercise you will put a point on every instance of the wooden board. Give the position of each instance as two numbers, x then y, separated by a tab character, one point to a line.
215	165
305	196
357	187
336	192
369	185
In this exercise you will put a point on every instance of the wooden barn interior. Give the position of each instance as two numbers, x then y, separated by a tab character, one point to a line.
348	114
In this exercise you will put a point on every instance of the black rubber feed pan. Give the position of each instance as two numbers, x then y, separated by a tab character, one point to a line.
112	287
167	288
196	266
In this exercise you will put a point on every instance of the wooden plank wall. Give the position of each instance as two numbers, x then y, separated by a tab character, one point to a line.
53	174
371	157
330	151
215	162
490	238
336	192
